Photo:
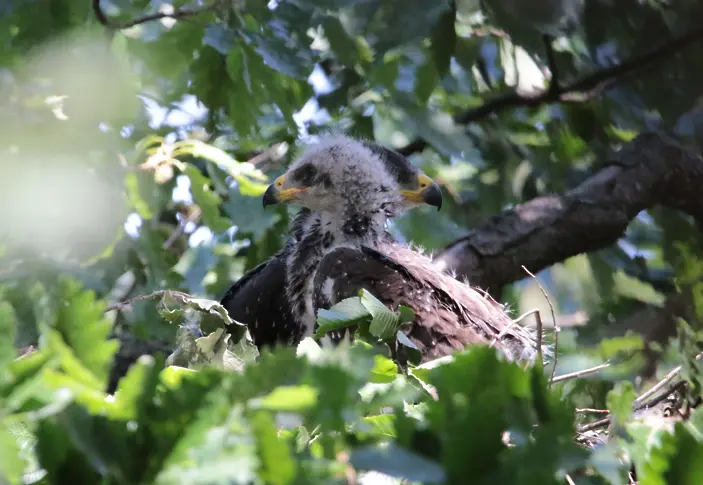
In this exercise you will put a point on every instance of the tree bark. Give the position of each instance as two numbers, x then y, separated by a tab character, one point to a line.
653	169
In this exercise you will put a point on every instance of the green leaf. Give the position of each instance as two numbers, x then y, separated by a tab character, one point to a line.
293	62
406	314
219	38
277	464
25	383
613	346
675	459
384	370
246	212
346	313
95	401
413	352
139	380
397	462
287	398
383	424
619	401
439	129
11	465
8	333
385	323
443	42
426	80
81	324
344	46
172	375
208	201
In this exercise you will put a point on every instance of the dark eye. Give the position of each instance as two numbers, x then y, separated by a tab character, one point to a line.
305	174
388	208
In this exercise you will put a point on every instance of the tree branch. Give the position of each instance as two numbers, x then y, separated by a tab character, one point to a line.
651	170
176	14
585	88
552	64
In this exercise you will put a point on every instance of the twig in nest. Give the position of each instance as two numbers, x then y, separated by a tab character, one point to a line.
594	425
518	320
554	321
669	391
660	385
179	295
641	401
644	400
580	373
591	410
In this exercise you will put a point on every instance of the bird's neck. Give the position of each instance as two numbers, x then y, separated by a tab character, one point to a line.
353	229
314	236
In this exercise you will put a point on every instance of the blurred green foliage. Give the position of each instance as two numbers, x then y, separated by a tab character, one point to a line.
133	160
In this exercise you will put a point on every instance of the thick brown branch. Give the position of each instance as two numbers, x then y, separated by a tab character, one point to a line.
580	90
176	14
651	170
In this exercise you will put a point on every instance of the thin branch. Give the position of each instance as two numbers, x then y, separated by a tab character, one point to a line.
176	15
580	373
150	296
554	321
180	229
645	399
594	425
656	400
579	90
658	386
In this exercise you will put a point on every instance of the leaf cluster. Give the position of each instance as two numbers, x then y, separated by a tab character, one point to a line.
306	416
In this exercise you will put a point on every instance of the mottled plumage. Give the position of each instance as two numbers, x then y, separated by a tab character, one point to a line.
339	245
269	298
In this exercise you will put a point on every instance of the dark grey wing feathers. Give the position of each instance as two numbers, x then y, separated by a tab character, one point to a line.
258	300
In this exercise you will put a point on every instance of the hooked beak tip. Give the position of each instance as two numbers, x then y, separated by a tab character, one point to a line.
432	195
270	196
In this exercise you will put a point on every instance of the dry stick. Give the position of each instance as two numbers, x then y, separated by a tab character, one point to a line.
641	402
580	373
658	386
653	402
606	421
554	321
593	425
591	410
540	331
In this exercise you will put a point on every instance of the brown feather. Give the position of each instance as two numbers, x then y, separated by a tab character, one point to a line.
449	314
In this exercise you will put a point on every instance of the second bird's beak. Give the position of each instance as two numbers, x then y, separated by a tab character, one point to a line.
428	192
275	194
432	195
270	196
